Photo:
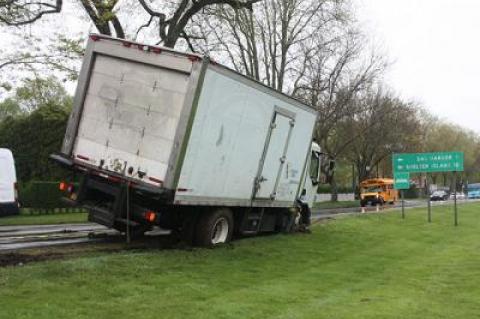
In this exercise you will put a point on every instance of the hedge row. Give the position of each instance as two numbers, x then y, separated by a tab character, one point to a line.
327	189
41	195
32	138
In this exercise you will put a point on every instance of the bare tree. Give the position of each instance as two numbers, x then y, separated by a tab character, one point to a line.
172	28
22	12
272	42
384	124
332	79
309	49
60	56
104	16
170	17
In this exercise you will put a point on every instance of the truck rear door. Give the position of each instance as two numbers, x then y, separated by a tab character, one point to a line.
130	115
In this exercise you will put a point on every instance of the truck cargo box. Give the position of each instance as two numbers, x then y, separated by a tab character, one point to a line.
180	123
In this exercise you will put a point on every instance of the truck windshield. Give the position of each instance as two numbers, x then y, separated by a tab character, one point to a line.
373	189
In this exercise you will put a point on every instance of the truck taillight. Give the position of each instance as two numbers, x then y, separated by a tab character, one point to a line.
150	216
66	187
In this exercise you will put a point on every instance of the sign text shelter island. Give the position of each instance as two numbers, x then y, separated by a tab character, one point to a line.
428	162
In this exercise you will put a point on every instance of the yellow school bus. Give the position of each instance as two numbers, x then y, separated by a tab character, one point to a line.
377	191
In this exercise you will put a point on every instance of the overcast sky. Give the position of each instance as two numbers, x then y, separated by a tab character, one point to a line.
434	46
435	49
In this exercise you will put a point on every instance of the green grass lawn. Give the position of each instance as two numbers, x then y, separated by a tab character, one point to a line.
342	204
57	218
367	266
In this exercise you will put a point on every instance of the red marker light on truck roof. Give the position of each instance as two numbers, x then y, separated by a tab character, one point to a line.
194	58
155	180
83	157
62	186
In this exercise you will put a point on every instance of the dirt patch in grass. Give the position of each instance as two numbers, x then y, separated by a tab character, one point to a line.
111	244
20	259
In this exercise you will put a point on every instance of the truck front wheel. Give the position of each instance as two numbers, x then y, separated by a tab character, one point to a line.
214	228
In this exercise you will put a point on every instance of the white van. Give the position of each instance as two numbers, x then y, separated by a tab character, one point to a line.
8	184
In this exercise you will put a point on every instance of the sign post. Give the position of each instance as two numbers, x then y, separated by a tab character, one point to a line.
429	202
403	204
401	181
455	198
430	163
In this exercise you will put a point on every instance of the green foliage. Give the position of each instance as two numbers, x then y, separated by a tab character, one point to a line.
32	139
9	108
334	205
33	218
327	189
44	107
38	92
443	136
41	195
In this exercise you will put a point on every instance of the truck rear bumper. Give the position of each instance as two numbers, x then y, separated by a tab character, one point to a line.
87	170
118	204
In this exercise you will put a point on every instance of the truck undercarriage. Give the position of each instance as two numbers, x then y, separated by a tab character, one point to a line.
130	208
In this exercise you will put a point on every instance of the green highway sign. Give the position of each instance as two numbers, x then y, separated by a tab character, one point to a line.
428	162
401	181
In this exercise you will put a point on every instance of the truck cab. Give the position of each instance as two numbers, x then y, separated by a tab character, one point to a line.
312	176
8	184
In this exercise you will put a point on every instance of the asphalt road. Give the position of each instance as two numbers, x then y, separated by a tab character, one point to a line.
32	236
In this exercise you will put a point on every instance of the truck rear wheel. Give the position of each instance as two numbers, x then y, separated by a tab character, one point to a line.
214	228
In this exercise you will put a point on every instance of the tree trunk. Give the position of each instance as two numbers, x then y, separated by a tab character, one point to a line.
334	189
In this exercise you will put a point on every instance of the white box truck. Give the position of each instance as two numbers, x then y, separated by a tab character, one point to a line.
8	184
176	140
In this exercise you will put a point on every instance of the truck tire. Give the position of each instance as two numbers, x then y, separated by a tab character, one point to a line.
214	228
